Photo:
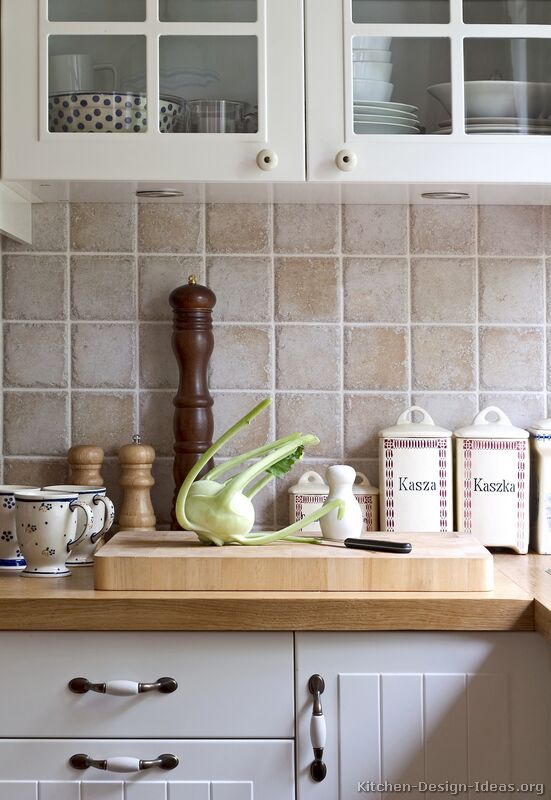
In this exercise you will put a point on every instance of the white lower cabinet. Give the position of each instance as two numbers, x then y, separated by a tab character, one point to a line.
416	708
37	769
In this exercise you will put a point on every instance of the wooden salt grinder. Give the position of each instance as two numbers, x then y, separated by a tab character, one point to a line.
85	462
136	461
192	343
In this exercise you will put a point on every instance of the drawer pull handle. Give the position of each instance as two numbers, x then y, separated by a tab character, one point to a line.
123	688
123	763
318	769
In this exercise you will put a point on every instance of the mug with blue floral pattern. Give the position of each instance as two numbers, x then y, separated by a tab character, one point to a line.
11	558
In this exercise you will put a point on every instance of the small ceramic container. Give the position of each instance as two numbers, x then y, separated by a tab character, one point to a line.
11	558
311	492
340	479
415	467
540	446
46	524
82	555
492	475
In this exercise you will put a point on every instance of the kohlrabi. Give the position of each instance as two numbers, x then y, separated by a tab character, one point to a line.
221	512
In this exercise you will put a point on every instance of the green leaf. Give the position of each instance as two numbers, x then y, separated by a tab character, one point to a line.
279	469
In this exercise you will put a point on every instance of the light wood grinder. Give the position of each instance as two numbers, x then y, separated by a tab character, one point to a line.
136	461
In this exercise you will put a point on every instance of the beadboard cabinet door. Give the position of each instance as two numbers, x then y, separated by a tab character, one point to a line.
34	769
409	708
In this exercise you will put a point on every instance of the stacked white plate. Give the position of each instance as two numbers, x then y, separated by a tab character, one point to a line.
379	117
532	127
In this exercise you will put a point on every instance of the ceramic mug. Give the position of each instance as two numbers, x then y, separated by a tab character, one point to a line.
46	524
74	72
11	558
104	514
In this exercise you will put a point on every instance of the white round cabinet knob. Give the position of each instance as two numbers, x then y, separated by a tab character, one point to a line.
346	160
267	160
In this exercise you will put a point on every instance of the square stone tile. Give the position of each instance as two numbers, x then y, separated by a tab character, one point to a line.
443	230
242	358
511	290
318	414
548	288
105	418
103	287
34	287
375	289
374	230
308	357
510	231
364	416
158	276
375	358
443	289
302	228
35	423
169	228
243	288
443	358
156	415
238	228
451	411
38	472
158	367
522	409
511	359
103	227
103	356
50	230
307	289
228	408
35	355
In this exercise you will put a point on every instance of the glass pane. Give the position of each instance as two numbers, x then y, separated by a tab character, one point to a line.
97	84
506	86
96	11
390	82
507	12
215	78
410	11
208	10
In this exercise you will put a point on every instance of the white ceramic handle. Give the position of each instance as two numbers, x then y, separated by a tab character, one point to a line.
109	516
364	481
87	525
482	417
122	688
267	160
318	731
311	477
407	416
346	160
109	68
123	764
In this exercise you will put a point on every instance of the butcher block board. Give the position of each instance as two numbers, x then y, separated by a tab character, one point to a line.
176	561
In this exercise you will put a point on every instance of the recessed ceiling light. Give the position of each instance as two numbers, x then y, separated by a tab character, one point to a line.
446	196
159	193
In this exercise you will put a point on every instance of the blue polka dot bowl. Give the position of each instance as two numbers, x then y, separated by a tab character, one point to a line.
110	112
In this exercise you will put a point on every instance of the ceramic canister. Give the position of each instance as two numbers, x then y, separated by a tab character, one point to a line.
11	558
311	491
540	441
492	480
415	466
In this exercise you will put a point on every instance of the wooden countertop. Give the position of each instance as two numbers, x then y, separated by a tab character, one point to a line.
521	601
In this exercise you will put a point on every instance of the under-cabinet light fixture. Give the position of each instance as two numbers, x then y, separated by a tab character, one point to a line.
159	193
446	196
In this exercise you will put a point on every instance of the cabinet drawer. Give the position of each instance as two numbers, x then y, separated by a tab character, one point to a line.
231	685
207	770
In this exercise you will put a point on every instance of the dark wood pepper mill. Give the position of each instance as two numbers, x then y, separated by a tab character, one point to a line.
192	342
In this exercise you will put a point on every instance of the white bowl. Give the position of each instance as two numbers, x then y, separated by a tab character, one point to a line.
372	90
498	98
372	70
372	42
358	54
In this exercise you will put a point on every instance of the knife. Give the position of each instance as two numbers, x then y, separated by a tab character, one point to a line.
377	545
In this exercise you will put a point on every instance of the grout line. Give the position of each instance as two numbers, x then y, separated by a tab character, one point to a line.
2	333
343	329
68	326
409	354
137	410
273	349
477	310
545	302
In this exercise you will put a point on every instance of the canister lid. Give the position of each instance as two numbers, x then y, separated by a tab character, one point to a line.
491	423
310	483
541	427
362	486
406	427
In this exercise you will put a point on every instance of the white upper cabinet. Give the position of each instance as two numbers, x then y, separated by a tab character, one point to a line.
193	90
429	90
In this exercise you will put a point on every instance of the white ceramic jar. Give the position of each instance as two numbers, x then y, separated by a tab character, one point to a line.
492	480
311	491
540	441
415	467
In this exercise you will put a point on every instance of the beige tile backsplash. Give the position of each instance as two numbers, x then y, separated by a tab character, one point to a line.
344	315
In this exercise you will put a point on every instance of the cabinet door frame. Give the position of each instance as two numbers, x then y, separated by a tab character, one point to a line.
31	152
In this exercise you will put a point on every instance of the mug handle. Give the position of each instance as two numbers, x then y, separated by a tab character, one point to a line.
109	68
87	525
109	517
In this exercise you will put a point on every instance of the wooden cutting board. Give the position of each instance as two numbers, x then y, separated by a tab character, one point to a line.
174	560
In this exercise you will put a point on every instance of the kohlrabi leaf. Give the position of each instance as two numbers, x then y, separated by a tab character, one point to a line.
280	468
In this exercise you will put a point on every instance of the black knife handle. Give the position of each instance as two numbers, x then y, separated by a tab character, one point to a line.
378	545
